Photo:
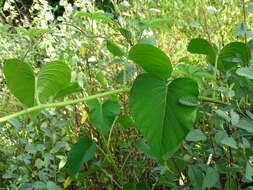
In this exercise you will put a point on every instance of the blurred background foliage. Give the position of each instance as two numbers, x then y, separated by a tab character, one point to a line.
39	31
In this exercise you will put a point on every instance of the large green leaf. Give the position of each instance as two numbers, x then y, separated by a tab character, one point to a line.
103	115
155	106
233	54
20	80
202	46
52	78
151	59
80	153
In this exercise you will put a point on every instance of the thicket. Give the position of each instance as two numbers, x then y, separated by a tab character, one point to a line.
126	94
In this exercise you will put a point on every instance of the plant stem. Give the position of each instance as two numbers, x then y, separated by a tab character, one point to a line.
61	104
211	100
65	103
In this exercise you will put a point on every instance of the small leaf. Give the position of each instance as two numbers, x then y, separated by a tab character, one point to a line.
103	115
52	186
67	182
211	178
195	135
188	101
245	124
234	117
249	9
249	171
223	115
20	80
126	121
52	78
126	33
80	153
114	49
100	76
229	141
202	46
245	72
139	186
242	29
151	59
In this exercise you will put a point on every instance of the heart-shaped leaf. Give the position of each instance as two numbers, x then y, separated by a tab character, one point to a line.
80	153
155	106
114	48
52	78
103	115
233	54
151	59
202	46
20	80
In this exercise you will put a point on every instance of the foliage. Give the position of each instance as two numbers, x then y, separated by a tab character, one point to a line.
104	95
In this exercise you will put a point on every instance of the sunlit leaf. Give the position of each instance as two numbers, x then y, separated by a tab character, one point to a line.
151	59
20	80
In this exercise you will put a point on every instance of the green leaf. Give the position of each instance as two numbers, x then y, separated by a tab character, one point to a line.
188	101
211	178
80	153
234	117
142	146
140	186
114	49
249	171
196	177
52	78
202	46
195	135
242	29
245	124
229	141
233	54
96	16
249	9
126	121
245	72
126	33
20	80
151	59
70	89
100	76
103	115
52	186
162	120
231	183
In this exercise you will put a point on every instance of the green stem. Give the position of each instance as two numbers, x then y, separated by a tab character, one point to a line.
212	100
61	104
65	103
